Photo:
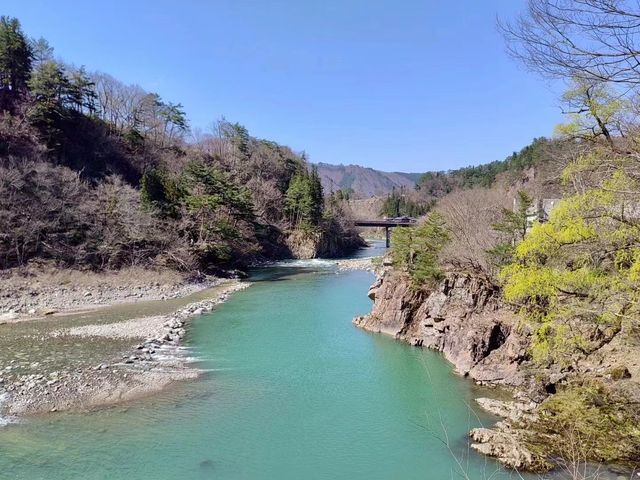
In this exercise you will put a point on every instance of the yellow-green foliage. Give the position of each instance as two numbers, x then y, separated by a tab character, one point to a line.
593	421
577	277
416	249
513	228
593	108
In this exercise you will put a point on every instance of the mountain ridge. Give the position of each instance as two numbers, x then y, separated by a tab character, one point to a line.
364	182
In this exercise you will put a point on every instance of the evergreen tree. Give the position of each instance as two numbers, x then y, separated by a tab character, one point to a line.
416	249
515	223
304	200
50	87
81	95
440	183
159	191
175	119
400	204
238	135
218	215
42	51
317	197
514	226
15	56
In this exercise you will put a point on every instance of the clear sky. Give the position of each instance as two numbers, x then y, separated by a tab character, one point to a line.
410	85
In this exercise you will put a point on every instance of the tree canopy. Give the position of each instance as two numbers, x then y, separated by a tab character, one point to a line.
438	184
144	192
15	56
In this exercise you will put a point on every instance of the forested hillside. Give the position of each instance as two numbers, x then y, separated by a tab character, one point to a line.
535	167
572	278
97	173
542	154
415	194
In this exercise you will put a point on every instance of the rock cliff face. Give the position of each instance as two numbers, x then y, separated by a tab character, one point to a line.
461	318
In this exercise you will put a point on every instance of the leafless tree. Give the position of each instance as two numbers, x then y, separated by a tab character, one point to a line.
470	216
37	217
126	107
118	103
213	142
588	39
18	137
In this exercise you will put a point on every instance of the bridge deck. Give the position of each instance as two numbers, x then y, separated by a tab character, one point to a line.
388	224
384	223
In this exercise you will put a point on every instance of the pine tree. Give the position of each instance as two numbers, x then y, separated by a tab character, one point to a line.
42	51
15	56
317	197
81	95
160	192
304	200
49	87
416	249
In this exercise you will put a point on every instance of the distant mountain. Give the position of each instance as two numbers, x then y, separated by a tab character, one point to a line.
365	182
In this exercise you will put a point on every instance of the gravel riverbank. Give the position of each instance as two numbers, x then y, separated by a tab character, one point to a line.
107	358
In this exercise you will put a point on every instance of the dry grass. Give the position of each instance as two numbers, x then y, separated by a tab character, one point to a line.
55	277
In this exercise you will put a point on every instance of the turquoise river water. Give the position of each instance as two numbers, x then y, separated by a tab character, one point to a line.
292	391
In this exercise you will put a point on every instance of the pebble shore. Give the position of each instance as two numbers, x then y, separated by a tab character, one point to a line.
356	264
155	360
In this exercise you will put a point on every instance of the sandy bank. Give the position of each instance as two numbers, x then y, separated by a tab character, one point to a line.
30	293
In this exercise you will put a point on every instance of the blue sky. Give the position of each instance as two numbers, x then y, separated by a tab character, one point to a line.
403	85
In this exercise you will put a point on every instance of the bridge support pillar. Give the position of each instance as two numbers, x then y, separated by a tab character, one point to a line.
387	235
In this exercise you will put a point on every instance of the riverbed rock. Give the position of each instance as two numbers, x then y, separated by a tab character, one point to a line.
461	318
136	374
304	244
508	447
512	410
8	316
374	288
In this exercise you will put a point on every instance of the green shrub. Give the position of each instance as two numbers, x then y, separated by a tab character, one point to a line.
416	249
598	424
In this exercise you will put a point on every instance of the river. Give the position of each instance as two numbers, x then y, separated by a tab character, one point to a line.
292	390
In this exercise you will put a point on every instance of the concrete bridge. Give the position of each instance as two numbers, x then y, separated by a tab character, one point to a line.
387	224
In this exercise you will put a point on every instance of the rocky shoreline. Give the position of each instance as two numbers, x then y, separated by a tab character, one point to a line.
151	359
463	318
356	264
